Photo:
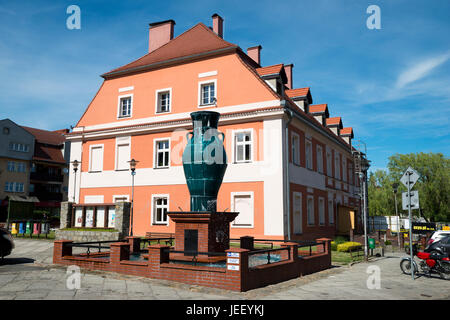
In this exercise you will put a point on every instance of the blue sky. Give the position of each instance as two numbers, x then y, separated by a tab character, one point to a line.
391	85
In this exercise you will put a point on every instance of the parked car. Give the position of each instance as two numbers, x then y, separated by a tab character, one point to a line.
6	243
441	246
438	235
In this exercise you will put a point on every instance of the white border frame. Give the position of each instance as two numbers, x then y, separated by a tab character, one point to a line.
155	158
294	134
157	92
121	141
324	211
293	212
124	89
90	156
313	211
200	83
152	208
233	145
128	95
252	198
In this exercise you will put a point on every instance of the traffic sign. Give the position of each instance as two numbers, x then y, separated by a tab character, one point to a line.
413	177
414	200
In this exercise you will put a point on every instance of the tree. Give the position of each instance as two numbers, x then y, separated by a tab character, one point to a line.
433	185
381	194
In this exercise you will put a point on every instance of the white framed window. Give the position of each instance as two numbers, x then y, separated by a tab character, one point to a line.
207	93
125	106
243	203
11	166
344	169
319	159
160	206
123	153
308	154
163	100
96	158
295	148
321	211
310	210
329	164
162	153
298	215
15	146
337	166
243	146
330	211
94	199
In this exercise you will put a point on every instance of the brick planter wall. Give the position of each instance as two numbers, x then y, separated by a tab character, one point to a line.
237	276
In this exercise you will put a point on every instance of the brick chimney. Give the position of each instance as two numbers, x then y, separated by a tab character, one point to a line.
218	24
159	34
255	54
288	71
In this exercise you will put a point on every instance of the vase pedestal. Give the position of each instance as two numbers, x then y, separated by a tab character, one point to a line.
202	231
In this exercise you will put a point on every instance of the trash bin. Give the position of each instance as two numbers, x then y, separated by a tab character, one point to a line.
45	228
14	228
371	243
22	228
37	228
28	229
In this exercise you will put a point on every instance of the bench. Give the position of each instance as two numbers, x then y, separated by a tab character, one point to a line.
167	237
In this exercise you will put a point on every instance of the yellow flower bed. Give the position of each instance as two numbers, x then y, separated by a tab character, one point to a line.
347	246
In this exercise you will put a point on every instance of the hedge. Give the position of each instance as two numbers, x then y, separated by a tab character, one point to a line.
347	246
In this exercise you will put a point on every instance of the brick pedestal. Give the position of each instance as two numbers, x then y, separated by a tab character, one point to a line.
213	229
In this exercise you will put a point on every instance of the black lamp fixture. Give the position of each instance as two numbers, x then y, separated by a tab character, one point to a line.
133	164
75	163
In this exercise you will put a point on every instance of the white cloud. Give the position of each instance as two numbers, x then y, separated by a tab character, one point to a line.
420	70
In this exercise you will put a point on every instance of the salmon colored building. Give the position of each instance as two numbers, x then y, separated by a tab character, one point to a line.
289	168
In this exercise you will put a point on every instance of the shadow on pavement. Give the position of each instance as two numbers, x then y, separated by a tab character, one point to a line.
12	261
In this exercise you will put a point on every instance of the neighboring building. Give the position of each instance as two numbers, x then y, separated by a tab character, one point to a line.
273	134
32	167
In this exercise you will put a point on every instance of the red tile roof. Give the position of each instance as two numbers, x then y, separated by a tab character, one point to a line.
301	92
318	108
265	71
347	131
47	137
199	39
334	121
45	153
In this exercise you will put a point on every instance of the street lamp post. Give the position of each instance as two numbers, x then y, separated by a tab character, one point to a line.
364	167
132	163
75	165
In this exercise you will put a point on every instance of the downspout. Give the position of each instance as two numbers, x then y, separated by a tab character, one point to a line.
286	172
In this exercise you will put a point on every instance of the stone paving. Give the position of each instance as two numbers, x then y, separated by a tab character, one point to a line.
28	273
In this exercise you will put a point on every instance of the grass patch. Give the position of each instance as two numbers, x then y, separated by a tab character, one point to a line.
345	257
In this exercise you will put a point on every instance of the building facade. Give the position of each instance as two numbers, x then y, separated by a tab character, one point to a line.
289	170
33	167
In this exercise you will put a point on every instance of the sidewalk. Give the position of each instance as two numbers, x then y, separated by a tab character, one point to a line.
29	274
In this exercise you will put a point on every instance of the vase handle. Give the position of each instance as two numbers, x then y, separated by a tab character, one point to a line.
223	136
187	134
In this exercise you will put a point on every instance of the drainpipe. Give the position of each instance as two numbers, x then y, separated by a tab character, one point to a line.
286	172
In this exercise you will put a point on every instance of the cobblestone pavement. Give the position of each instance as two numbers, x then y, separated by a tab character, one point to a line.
29	274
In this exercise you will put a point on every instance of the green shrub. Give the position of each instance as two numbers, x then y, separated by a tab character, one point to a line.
347	246
333	246
387	243
340	239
